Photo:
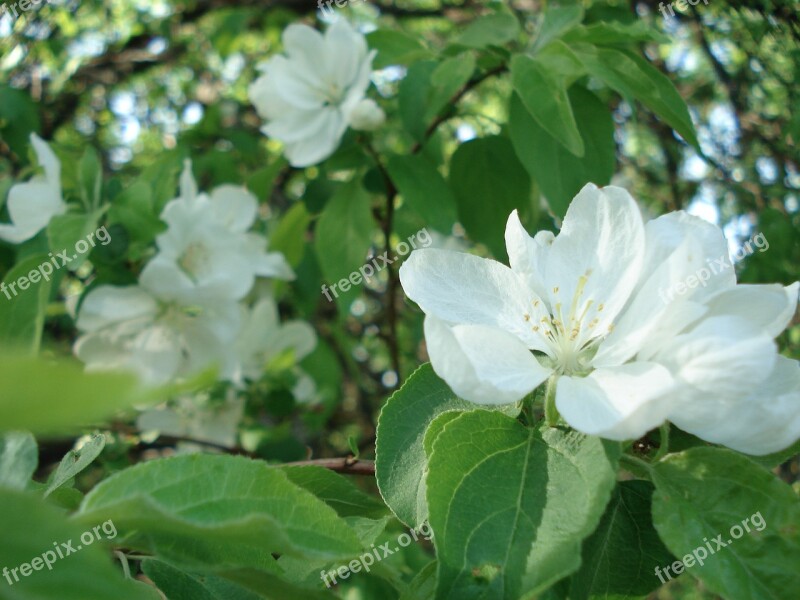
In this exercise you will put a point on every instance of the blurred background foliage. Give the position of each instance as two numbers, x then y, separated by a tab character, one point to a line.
148	84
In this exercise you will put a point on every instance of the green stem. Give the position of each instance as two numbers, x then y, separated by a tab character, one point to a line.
636	466
663	448
550	411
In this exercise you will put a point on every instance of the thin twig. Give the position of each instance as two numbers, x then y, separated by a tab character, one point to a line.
347	466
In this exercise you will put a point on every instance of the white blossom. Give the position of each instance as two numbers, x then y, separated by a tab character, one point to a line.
584	308
309	96
31	205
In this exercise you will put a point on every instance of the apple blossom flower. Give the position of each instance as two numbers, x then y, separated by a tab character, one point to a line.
263	337
582	310
129	329
31	205
310	96
207	252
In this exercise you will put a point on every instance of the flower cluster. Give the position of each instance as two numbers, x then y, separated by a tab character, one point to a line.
186	313
582	310
313	94
31	205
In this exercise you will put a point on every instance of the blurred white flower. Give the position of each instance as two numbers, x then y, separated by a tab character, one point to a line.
206	252
262	337
128	329
367	116
31	205
197	418
308	96
584	309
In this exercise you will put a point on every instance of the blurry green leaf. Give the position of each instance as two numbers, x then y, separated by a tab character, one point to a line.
635	78
218	511
395	48
262	181
559	173
423	586
19	457
48	396
181	585
446	80
510	506
344	232
91	178
703	495
425	190
620	557
542	87
489	183
556	22
76	461
290	235
19	117
22	311
133	209
615	33
413	96
67	230
491	30
31	528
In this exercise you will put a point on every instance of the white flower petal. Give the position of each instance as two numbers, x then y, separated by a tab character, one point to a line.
618	403
720	356
528	255
768	307
466	289
234	207
595	261
482	364
106	305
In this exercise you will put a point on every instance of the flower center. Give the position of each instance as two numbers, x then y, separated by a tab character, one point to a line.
573	341
194	259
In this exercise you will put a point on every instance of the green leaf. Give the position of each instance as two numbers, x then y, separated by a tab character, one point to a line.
770	461
76	461
290	236
220	511
73	232
336	491
446	81
423	586
19	117
425	190
413	95
19	458
344	232
705	496
542	87
510	505
559	173
22	311
492	30
91	178
614	33
32	531
635	78
181	585
489	182
133	208
46	396
620	557
557	21
395	48
400	460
